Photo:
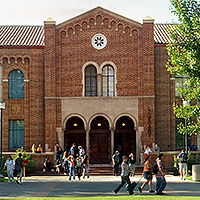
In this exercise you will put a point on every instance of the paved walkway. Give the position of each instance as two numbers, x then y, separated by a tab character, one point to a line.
59	186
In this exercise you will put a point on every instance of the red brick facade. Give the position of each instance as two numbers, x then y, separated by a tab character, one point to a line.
54	73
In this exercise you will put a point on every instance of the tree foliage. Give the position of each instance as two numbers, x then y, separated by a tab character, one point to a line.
184	59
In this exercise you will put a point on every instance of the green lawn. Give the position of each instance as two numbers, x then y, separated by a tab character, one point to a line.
138	197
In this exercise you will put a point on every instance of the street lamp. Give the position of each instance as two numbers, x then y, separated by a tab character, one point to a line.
2	106
186	103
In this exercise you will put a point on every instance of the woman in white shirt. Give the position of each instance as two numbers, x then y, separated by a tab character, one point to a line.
10	164
147	152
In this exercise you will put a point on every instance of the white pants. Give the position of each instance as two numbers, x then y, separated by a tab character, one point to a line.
182	168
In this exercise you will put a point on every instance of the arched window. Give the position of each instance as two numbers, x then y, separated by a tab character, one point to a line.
108	81
16	84
90	81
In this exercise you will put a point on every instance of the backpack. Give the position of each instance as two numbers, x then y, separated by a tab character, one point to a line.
155	168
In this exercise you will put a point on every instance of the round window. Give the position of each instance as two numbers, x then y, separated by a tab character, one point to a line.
99	41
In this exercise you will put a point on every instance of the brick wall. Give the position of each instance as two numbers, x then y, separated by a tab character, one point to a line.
31	108
165	96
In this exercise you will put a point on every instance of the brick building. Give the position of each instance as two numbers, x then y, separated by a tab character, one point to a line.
98	80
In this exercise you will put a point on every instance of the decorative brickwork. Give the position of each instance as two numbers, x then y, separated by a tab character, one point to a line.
54	82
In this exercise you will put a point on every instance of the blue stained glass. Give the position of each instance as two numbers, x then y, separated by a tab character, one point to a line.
16	84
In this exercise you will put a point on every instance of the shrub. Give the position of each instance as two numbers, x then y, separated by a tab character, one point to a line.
26	157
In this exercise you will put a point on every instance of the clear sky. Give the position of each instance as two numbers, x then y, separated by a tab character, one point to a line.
34	12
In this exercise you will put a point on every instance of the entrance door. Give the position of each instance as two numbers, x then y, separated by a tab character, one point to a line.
100	140
99	146
74	133
78	138
123	140
125	135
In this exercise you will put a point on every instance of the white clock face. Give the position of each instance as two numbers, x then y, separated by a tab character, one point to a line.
99	41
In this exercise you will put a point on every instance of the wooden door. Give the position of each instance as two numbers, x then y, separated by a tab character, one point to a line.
78	138
99	146
126	143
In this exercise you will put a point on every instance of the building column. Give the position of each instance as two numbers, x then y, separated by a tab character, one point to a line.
87	141
112	141
139	149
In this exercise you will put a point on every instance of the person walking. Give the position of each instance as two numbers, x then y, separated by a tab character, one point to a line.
147	172
79	166
124	176
131	163
72	167
19	164
115	160
183	157
10	164
160	177
86	167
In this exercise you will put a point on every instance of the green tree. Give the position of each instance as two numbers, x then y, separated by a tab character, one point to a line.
184	59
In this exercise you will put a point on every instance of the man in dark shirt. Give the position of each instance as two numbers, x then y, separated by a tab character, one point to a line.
19	163
193	147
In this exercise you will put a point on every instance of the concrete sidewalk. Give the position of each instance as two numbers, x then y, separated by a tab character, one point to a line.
59	186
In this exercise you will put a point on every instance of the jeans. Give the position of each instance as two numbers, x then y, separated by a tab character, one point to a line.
84	170
72	171
124	179
58	156
160	184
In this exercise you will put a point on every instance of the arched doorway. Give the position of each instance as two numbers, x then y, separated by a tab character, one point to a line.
100	140
74	133
125	136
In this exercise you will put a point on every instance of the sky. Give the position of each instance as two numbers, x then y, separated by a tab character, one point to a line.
35	12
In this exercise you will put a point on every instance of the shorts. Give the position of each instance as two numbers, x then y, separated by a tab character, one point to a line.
148	175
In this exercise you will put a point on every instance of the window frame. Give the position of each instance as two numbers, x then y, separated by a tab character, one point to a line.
16	127
92	78
16	84
108	77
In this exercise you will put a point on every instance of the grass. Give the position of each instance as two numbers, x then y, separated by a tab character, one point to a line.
112	198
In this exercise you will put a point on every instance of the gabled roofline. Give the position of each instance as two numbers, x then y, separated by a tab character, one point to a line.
99	9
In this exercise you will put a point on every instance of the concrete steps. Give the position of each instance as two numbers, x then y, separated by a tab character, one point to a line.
95	170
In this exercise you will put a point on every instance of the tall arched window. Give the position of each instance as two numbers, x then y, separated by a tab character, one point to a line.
108	81
16	84
90	81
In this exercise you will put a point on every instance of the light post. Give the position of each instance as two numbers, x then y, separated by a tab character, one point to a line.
186	103
2	106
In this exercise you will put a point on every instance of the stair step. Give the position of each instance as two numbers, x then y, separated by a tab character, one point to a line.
95	170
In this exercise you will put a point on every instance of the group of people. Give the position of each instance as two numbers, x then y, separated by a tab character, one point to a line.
36	149
12	165
75	159
147	173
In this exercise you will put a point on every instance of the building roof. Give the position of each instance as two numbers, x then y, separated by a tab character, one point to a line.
21	36
32	36
161	35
